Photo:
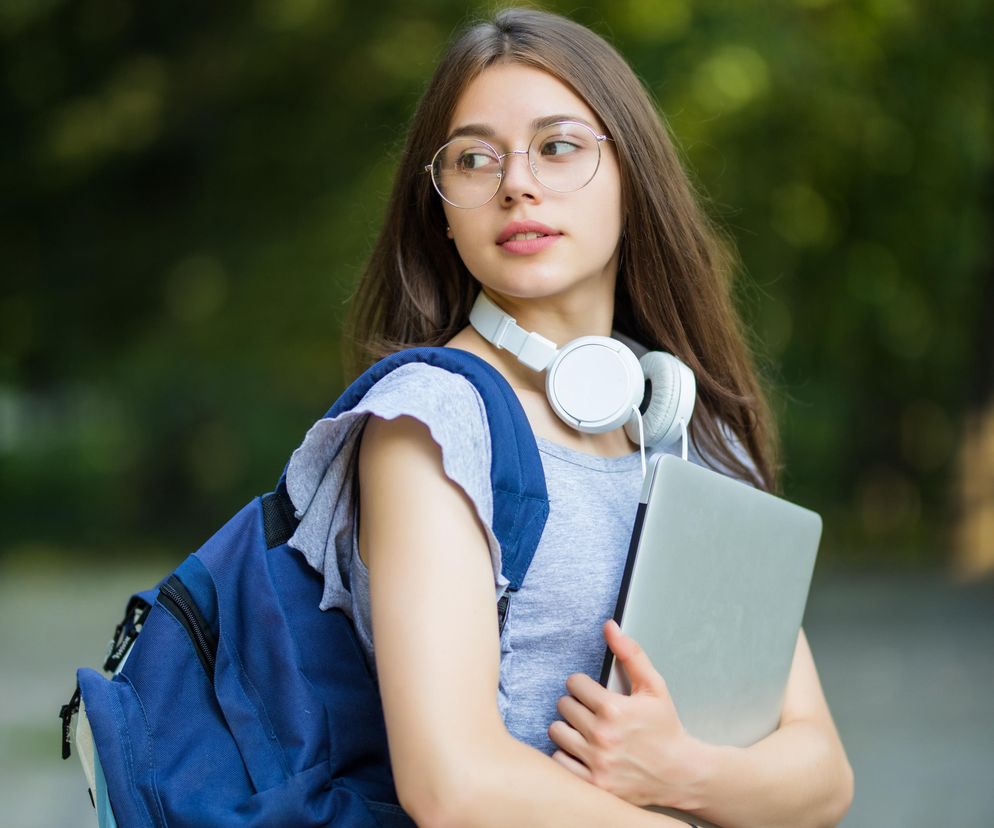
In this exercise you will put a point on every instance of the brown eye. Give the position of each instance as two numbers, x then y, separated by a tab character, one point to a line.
473	161
558	147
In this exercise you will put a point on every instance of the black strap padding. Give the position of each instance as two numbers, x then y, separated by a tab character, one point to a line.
278	519
503	605
70	709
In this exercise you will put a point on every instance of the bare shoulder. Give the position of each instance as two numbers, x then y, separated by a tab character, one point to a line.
397	443
403	488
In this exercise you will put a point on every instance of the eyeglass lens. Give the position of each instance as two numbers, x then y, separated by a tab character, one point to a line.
563	157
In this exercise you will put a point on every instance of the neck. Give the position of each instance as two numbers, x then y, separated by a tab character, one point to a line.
561	318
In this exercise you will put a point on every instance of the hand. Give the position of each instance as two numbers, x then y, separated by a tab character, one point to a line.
633	746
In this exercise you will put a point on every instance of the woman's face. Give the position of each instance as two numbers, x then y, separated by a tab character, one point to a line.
505	101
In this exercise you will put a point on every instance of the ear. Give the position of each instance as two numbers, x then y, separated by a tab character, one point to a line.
448	231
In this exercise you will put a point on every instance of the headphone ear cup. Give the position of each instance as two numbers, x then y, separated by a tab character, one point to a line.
670	394
593	383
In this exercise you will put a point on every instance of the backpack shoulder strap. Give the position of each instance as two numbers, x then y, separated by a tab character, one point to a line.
521	501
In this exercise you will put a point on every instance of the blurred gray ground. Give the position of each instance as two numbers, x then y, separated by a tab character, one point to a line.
907	662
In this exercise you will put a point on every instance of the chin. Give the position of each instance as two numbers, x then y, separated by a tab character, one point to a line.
538	285
528	288
530	280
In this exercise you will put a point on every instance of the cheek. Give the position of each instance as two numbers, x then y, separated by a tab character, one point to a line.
602	219
603	205
469	247
461	224
613	198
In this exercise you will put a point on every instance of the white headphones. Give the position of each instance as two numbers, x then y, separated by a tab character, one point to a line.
596	383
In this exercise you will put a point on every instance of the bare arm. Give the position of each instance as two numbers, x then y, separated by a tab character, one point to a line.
437	654
635	747
797	776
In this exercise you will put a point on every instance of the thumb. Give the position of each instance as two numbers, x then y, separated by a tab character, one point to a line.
641	674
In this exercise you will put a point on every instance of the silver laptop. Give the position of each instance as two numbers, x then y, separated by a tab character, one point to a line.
714	591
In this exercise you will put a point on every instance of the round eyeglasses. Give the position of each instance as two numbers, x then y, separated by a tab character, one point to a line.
563	157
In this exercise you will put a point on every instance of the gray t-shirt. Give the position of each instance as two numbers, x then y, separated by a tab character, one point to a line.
554	623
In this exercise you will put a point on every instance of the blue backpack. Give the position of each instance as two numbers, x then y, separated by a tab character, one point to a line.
235	700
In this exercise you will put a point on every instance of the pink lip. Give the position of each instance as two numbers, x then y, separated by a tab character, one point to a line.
525	227
525	247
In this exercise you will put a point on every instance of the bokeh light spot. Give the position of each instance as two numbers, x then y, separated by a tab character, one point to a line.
872	272
196	289
887	501
777	326
731	78
907	323
801	216
893	10
215	457
125	116
653	20
102	20
17	15
17	324
926	435
403	48
888	145
79	130
135	102
287	15
107	436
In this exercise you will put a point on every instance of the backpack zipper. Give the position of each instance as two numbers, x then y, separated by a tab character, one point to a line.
175	598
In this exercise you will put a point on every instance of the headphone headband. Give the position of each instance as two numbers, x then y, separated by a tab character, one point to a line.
503	332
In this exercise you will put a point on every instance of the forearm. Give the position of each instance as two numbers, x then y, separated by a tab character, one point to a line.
504	782
797	777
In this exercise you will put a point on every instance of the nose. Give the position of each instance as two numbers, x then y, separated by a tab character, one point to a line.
518	181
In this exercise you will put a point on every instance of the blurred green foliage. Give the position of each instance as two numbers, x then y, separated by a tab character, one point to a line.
190	190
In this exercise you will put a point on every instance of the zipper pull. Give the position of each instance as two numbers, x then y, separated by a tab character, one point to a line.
125	633
66	713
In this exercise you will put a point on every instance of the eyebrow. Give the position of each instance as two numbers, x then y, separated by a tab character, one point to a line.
486	131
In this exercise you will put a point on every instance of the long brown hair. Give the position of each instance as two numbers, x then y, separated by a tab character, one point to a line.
674	282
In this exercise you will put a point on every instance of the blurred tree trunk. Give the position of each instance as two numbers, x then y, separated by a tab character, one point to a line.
974	532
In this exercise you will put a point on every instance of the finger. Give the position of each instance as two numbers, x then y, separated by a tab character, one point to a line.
642	675
572	765
569	740
577	715
588	692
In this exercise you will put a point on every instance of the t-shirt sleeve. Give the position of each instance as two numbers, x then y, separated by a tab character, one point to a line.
322	482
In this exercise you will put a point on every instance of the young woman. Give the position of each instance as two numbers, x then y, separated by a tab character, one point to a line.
511	728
